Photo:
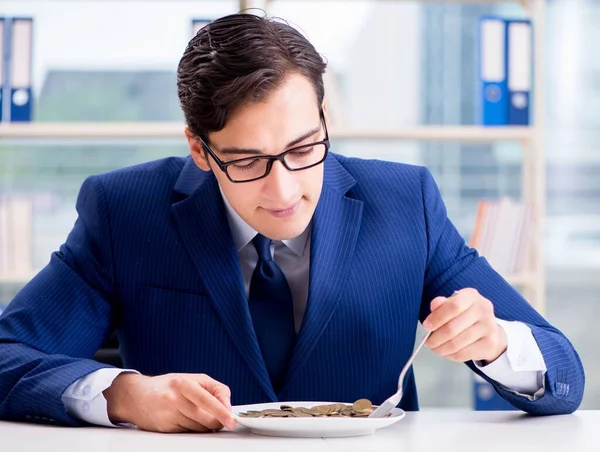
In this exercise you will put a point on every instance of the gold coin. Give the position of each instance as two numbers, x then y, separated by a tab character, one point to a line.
362	405
330	409
359	409
251	414
271	411
298	413
348	410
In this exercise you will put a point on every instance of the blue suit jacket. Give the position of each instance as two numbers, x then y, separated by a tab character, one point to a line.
152	255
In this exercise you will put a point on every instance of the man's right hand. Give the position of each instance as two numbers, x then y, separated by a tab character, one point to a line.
170	403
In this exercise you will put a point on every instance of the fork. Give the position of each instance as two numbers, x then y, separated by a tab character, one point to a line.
391	402
388	405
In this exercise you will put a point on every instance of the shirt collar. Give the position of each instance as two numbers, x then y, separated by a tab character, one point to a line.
242	233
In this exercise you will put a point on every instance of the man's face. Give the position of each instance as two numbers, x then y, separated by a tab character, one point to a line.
281	205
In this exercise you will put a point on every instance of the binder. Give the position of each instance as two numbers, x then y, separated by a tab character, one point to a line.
20	44
492	71
3	58
519	71
198	24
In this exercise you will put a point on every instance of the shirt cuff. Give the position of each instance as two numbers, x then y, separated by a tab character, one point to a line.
521	368
84	398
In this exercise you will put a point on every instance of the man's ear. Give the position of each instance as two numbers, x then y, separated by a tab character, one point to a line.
325	115
197	151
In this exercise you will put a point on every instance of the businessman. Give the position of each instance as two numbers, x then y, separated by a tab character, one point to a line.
263	267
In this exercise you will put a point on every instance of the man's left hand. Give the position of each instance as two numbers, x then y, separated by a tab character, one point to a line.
464	328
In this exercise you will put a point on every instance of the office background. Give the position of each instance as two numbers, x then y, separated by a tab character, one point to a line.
392	65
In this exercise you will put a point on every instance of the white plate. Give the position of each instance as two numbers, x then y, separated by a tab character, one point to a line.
306	427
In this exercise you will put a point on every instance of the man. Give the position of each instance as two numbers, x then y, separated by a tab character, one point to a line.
262	268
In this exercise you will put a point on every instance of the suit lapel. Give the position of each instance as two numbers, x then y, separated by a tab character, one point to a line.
336	223
203	225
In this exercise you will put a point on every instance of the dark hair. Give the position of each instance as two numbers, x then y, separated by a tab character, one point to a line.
240	59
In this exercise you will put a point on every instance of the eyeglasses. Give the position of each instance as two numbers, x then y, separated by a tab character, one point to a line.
256	167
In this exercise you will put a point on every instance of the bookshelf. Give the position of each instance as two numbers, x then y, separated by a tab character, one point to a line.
15	279
522	280
532	282
144	130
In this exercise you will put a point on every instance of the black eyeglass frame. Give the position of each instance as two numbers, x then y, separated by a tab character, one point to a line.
271	158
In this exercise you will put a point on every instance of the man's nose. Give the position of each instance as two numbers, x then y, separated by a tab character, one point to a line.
281	183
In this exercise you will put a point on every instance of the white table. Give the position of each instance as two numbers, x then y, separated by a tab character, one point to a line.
442	431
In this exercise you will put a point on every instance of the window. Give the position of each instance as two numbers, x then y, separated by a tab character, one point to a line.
115	62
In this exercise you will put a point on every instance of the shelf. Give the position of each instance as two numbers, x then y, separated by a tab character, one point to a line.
265	4
521	280
525	279
524	3
15	279
440	133
145	130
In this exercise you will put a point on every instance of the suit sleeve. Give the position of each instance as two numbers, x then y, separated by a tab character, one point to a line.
55	324
452	265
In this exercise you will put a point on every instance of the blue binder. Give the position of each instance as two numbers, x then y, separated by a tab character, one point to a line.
3	64
519	71
492	71
20	43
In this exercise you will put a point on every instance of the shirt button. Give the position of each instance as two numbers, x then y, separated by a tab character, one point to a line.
86	390
86	407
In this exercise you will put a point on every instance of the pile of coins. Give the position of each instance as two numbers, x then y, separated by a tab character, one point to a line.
360	408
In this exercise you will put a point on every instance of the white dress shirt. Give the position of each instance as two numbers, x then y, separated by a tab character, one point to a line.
520	369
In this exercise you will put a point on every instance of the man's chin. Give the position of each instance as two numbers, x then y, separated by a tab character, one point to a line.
287	234
286	231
